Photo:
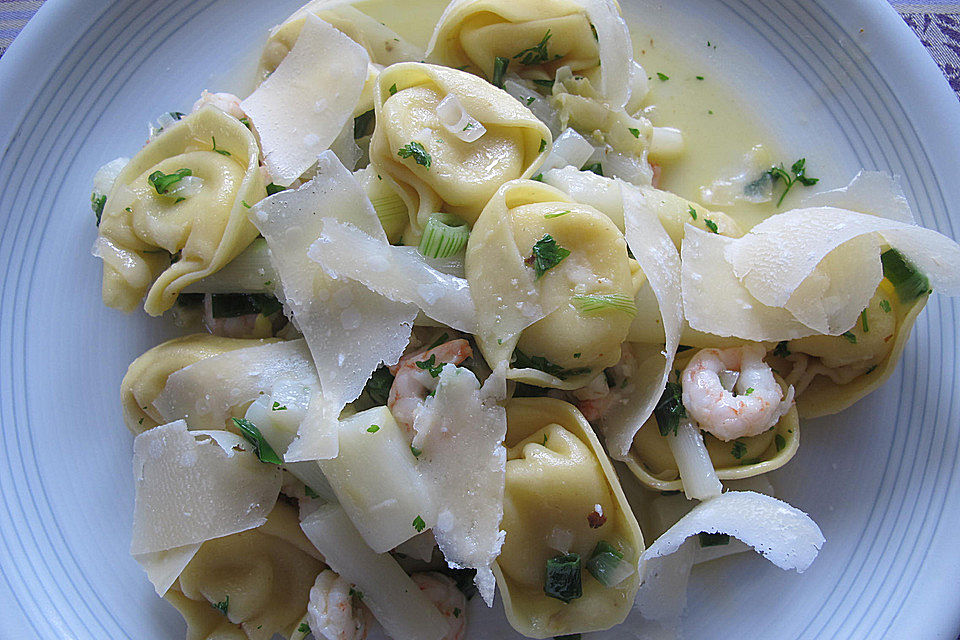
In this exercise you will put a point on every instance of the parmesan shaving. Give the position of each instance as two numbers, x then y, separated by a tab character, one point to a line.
401	274
302	107
205	392
190	490
658	258
874	192
348	328
784	535
464	422
164	567
393	597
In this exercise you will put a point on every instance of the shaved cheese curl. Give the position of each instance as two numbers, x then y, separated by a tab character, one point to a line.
783	534
658	258
302	107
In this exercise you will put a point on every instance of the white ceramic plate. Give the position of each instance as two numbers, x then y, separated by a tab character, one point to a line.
848	83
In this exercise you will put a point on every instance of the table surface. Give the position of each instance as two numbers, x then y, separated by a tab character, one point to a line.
936	23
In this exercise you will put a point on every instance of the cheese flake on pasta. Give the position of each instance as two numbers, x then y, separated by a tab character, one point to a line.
191	489
302	107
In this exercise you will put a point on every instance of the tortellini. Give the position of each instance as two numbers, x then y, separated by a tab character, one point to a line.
832	372
434	169
652	462
147	375
561	496
586	36
155	242
587	296
249	585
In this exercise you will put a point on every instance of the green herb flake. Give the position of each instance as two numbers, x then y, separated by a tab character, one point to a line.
799	170
416	151
692	212
530	100
909	283
97	203
851	338
546	254
699	77
536	54
712	539
544	440
278	407
711	225
245	121
739	449
419	524
416	452
303	628
546	84
523	361
781	350
635	132
885	306
244	203
274	188
223	605
577	355
870	370
543	145
780	442
538	177
373	428
260	445
749	391
551	216
863	321
393	89
563	580
222	152
663	77
669	409
431	365
456	612
163	181
500	65
140	421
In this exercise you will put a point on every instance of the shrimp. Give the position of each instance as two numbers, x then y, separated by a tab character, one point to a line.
226	102
443	593
732	393
416	376
334	612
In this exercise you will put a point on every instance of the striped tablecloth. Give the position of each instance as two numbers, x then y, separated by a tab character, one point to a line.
936	23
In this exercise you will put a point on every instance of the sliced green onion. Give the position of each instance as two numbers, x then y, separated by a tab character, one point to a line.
909	283
500	70
599	304
563	578
713	539
249	272
444	235
392	212
607	565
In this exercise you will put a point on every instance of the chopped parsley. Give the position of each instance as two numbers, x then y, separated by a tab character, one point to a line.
245	121
416	452
851	338
692	212
670	409
663	77
546	84
799	171
303	628
419	524
543	145
781	350
245	204
563	580
711	225
739	449
536	54
163	181
546	255
530	100
909	283
274	188
378	386
97	202
780	442
550	216
456	612
749	391
416	151
431	365
699	77
500	70
885	306
523	361
223	605
469	126
222	152
538	177
863	321
634	132
373	428
260	445
278	407
393	88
